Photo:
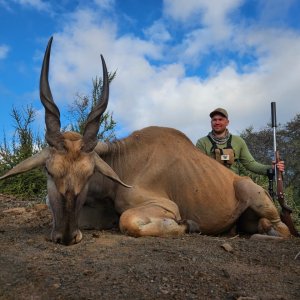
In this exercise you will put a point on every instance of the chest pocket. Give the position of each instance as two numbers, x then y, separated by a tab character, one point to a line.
224	156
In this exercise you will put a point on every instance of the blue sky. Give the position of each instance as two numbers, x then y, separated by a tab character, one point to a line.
176	60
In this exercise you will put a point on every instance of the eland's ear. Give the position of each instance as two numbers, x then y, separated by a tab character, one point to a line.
107	171
28	164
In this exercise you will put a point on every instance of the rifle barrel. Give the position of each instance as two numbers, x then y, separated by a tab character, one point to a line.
274	125
273	114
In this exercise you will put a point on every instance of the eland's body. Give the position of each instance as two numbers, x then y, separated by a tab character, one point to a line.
170	186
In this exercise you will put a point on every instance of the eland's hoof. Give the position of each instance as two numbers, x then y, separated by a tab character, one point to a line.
191	226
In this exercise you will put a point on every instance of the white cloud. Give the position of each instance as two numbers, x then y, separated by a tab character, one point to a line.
271	11
158	32
105	4
4	49
182	10
143	94
208	25
4	4
76	54
208	12
37	4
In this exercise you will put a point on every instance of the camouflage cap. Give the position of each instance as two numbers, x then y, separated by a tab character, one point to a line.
219	110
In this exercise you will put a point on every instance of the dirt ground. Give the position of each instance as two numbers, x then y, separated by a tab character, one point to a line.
109	265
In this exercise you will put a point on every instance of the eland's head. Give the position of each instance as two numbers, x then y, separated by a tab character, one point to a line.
70	160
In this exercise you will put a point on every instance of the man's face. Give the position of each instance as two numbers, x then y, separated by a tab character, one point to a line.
219	123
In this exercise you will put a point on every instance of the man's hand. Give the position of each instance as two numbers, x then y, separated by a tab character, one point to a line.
280	165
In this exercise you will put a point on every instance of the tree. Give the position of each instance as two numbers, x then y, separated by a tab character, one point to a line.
24	144
291	138
81	107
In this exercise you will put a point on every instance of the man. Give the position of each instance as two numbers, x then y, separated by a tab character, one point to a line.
228	149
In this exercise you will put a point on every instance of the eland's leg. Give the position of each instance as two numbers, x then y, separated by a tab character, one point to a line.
98	214
260	202
155	220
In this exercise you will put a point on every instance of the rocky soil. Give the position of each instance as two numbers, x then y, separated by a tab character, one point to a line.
109	265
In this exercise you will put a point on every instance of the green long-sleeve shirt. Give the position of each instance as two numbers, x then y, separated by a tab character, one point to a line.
241	153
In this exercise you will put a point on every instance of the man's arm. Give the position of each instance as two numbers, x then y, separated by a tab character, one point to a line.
249	162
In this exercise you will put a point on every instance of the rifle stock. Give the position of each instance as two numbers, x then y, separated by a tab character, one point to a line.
286	211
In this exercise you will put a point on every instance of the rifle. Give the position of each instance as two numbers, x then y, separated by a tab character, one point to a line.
286	211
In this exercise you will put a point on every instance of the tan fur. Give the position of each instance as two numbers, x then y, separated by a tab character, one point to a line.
169	174
175	189
71	168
